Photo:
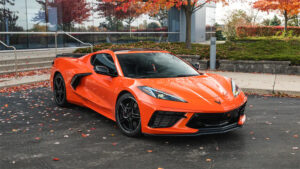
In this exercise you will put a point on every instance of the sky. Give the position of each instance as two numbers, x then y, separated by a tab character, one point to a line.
223	11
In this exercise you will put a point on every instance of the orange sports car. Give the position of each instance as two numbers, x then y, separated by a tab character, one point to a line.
149	92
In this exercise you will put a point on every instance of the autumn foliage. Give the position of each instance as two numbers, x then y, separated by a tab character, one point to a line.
73	11
248	31
287	8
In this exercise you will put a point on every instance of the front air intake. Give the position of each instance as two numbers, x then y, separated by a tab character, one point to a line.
163	119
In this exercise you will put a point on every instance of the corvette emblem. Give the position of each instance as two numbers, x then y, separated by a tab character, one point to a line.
219	102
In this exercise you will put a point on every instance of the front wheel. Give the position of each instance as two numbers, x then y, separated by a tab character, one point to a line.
128	115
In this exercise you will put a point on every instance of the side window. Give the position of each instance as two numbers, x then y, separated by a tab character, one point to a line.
104	59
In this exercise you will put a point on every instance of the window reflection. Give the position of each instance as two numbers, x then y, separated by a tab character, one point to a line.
76	16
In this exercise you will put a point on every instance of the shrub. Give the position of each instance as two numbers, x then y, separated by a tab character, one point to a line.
248	31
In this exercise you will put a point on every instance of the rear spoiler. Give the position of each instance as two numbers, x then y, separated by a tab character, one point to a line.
71	55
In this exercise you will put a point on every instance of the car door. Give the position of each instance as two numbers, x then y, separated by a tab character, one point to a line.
100	87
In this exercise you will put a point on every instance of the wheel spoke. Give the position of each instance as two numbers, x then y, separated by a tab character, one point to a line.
122	107
130	125
58	85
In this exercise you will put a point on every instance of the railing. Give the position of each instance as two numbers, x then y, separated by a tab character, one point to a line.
15	51
69	34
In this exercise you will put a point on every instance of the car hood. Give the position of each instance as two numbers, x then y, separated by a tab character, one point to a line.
203	89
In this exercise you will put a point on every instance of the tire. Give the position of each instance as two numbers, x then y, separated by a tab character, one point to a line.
59	91
128	116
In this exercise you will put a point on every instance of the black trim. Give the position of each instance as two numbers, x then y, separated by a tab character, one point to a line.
133	49
76	79
71	55
165	119
206	131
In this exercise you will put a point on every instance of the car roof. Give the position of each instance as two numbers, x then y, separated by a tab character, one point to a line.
135	50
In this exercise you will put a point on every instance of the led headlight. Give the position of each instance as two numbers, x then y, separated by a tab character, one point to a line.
235	89
160	94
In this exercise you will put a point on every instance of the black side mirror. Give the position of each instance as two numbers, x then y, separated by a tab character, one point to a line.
104	71
196	66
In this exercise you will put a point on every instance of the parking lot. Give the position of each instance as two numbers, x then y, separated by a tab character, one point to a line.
35	133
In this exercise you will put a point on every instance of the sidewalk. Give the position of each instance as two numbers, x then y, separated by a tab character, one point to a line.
248	82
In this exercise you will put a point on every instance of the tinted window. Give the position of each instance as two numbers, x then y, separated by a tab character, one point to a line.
154	65
104	59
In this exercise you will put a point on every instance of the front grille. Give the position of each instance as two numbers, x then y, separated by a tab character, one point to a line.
163	119
208	120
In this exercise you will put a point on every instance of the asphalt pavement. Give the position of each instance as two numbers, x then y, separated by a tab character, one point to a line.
36	134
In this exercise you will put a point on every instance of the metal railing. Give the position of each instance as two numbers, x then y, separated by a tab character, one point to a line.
15	51
69	34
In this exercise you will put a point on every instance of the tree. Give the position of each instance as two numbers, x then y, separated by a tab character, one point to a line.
275	21
266	22
8	18
235	19
287	8
154	6
161	16
72	11
294	21
105	10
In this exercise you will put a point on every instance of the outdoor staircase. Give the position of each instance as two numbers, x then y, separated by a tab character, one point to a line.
28	60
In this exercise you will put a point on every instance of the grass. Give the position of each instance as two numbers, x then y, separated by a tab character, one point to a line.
275	49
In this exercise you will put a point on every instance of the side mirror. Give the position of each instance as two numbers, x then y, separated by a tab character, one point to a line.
103	70
196	66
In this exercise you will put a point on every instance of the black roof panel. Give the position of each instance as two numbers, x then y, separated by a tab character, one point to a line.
134	49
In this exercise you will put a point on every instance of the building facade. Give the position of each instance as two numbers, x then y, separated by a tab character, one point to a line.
93	16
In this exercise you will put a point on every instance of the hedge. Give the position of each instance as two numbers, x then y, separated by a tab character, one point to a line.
248	31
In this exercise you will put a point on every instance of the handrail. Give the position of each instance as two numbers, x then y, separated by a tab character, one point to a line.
15	51
70	35
79	42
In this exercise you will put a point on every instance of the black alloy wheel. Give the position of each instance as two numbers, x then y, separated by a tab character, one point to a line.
128	115
59	91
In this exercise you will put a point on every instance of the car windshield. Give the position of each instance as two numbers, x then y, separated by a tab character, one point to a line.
154	65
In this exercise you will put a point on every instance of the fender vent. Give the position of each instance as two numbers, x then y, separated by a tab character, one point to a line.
76	79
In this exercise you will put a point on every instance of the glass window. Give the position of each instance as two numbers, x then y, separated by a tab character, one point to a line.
104	59
154	65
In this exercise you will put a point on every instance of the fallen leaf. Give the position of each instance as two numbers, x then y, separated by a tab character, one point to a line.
250	105
296	136
251	132
83	135
114	144
208	160
55	159
37	138
149	151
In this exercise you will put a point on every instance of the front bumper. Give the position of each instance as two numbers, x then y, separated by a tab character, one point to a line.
183	127
205	131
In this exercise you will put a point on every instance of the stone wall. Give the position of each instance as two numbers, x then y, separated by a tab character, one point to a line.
273	67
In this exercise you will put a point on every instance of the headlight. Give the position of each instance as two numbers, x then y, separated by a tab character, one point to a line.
235	89
160	94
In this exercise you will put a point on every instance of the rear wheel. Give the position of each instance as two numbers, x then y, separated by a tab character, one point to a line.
128	115
59	91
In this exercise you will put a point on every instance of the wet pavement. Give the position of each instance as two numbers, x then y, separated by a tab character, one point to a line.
36	134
